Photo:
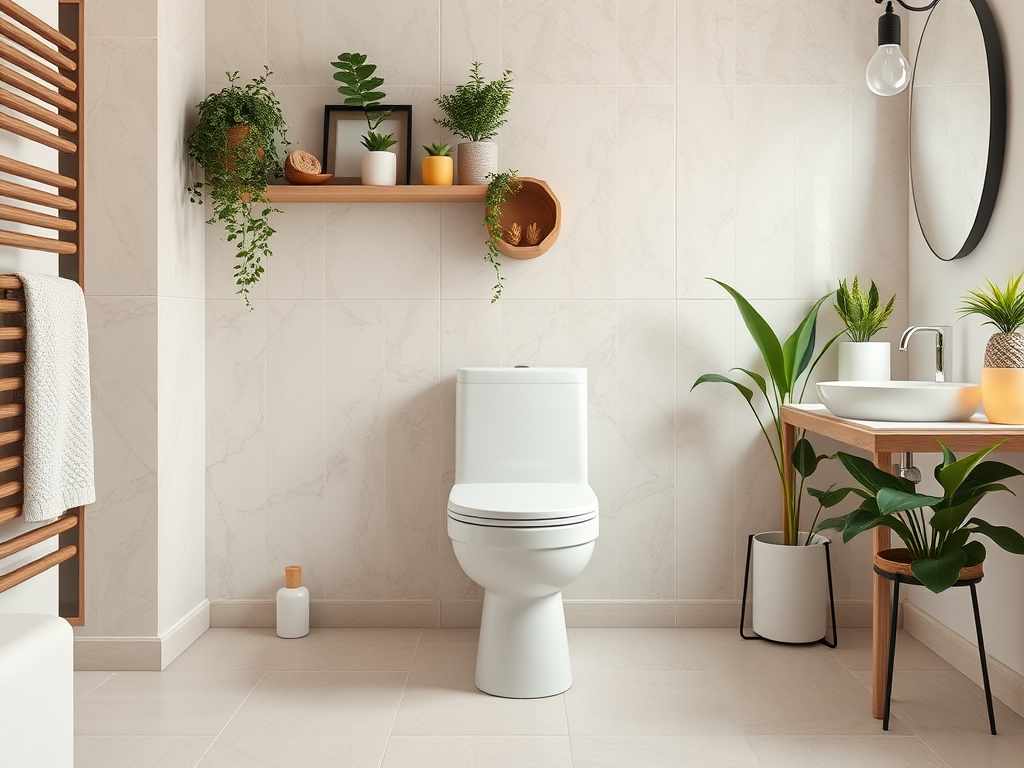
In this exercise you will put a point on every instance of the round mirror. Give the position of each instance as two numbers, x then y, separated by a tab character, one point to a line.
957	126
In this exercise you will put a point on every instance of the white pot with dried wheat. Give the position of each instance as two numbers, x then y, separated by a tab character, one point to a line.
1002	377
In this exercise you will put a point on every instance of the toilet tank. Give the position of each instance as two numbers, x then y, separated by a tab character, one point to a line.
521	425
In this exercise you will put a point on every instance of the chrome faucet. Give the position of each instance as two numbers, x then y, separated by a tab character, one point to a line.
943	346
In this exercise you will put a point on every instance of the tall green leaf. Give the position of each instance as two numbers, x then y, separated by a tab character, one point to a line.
1005	537
805	461
891	500
757	378
798	350
765	339
951	476
832	496
717	378
941	573
871	477
945	520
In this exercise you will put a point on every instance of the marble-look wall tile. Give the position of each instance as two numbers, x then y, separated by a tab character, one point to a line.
354	371
221	257
181	443
356	26
296	270
303	109
412	42
706	190
236	39
587	37
645	194
295	50
645	505
181	24
587	172
765	171
464	273
121	18
470	336
355	251
705	453
412	435
705	43
530	43
296	519
529	333
470	30
824	188
236	450
412	250
121	166
423	99
122	524
646	42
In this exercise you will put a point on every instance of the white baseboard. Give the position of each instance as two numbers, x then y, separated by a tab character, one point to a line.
427	614
1007	684
140	654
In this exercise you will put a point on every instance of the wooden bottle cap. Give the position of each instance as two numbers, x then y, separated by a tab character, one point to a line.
293	576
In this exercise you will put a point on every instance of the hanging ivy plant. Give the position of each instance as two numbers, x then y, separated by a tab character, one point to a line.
500	187
237	164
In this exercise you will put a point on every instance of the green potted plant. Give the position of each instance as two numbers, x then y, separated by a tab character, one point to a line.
236	143
500	186
360	89
1002	377
860	358
939	544
437	165
475	112
789	569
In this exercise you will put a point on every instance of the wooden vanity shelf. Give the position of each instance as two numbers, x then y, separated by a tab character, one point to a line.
357	193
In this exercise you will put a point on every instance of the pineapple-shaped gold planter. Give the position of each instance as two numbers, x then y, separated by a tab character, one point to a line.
1002	378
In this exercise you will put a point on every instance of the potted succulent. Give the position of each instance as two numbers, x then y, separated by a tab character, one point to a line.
860	358
359	87
789	566
1002	378
236	143
500	186
437	165
938	545
475	112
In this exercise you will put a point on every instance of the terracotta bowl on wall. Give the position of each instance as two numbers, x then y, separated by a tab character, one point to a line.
534	203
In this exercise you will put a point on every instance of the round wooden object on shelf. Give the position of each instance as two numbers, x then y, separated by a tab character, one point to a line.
535	203
899	560
303	168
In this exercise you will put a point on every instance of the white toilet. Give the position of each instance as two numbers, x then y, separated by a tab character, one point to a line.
522	518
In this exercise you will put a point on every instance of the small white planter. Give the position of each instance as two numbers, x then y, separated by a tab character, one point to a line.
864	361
477	159
380	169
790	586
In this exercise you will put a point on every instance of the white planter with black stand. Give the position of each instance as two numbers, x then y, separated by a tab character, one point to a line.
792	589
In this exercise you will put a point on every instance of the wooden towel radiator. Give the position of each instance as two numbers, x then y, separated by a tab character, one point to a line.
41	80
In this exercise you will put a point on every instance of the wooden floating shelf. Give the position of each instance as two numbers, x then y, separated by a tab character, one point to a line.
356	193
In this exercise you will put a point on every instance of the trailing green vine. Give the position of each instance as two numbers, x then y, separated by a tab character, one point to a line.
500	186
237	171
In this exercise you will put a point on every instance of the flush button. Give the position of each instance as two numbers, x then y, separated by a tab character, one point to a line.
522	366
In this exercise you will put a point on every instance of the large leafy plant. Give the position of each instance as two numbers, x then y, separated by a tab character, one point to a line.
237	171
862	313
360	87
940	541
789	365
477	109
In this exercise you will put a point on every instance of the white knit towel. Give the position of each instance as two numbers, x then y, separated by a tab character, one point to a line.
58	414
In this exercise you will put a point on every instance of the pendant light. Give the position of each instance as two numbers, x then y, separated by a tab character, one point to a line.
888	71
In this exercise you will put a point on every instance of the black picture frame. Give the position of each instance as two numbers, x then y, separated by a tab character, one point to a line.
348	124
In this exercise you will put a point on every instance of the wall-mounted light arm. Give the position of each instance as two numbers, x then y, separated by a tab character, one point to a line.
888	71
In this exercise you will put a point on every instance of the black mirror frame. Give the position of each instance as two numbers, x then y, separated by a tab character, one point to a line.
997	131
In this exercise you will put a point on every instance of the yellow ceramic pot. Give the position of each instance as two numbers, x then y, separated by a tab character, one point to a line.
437	170
1002	394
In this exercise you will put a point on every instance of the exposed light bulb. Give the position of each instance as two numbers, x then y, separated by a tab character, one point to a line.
888	71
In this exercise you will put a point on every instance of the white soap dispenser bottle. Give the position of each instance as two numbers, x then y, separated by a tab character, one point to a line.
292	605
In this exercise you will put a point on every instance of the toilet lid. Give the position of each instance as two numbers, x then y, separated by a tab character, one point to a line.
522	502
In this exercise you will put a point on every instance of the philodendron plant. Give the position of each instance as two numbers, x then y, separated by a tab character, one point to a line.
789	366
940	541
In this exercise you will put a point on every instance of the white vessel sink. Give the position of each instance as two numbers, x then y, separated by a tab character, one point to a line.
900	400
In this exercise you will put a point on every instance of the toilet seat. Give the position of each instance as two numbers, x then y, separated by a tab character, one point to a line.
522	505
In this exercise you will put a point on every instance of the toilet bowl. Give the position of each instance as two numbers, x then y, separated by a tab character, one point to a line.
522	518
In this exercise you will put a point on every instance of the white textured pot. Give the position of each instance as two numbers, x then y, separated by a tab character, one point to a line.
864	361
476	160
380	169
790	586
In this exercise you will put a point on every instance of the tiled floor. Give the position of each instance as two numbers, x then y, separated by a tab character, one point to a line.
242	698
